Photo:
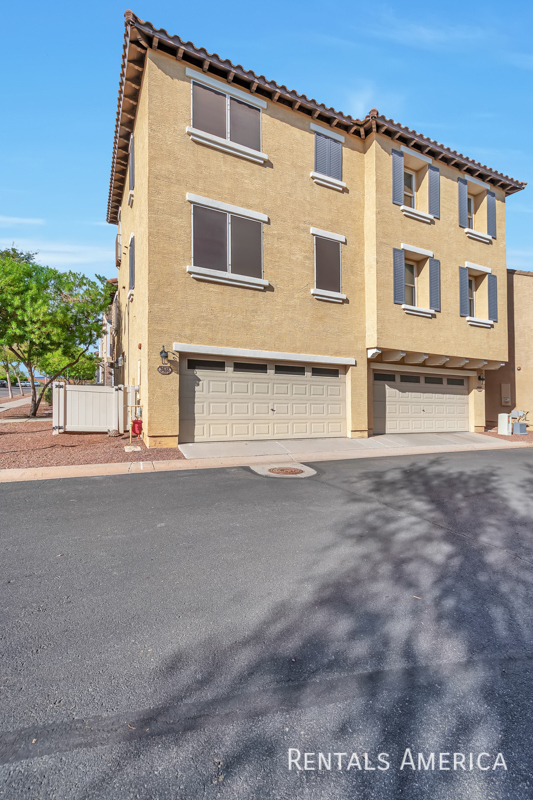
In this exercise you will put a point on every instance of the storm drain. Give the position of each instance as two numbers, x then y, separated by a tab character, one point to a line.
283	471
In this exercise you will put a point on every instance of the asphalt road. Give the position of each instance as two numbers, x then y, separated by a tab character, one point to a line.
172	635
4	393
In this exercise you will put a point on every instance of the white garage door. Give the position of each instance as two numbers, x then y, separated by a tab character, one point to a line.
226	399
405	402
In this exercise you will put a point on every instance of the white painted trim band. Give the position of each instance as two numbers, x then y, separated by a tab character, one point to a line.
226	145
477	267
216	204
418	312
480	323
219	276
337	237
418	250
270	355
325	180
387	367
416	154
480	237
415	214
327	132
226	88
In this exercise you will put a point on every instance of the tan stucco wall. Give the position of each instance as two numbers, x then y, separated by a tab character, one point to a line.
518	372
171	306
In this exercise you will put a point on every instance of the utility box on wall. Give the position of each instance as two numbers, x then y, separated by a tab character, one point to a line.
505	394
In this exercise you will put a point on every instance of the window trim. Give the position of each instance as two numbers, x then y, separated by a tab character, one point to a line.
327	132
414	285
470	201
226	145
413	174
324	294
224	88
471	299
198	200
326	180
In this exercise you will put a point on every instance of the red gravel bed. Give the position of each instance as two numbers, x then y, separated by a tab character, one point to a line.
517	437
32	444
24	411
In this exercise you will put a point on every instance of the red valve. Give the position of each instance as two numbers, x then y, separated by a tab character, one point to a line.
136	427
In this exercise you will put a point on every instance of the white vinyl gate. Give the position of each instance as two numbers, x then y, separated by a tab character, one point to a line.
91	408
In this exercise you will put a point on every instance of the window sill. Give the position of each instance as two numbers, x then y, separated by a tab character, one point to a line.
325	180
415	214
418	312
201	137
130	198
480	323
479	237
217	276
331	297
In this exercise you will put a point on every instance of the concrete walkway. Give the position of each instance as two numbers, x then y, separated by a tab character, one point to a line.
15	403
467	442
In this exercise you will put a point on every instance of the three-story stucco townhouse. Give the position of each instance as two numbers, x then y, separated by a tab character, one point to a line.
308	274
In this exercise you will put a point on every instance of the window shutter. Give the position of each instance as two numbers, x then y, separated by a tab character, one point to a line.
434	191
132	263
398	260
335	159
327	264
209	110
463	202
463	291
132	164
246	247
321	154
245	124
491	214
397	178
434	284
493	297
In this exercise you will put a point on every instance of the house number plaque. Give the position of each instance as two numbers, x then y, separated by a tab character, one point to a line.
165	370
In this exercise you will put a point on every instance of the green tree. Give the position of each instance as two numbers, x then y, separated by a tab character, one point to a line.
44	311
83	370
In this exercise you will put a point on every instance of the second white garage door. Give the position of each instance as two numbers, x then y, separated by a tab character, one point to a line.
405	402
224	400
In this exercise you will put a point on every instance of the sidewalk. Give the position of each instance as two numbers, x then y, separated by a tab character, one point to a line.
306	451
7	404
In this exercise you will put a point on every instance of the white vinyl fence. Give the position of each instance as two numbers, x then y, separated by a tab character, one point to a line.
93	408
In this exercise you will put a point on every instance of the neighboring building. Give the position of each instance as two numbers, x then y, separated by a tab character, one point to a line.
511	387
312	274
107	346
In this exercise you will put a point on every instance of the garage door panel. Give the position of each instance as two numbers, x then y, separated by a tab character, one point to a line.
418	409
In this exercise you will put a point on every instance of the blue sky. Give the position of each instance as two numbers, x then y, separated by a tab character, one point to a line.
458	73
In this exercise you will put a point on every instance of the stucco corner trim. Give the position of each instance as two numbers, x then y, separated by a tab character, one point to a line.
219	206
418	312
479	237
413	213
217	276
337	237
208	139
325	180
480	323
332	297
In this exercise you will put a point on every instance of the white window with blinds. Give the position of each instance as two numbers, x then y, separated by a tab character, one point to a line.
328	158
226	118
227	243
328	266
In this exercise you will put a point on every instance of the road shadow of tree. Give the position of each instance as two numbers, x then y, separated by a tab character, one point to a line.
412	629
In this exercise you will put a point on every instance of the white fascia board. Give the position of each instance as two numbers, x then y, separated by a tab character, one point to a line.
242	212
271	355
477	269
327	132
232	278
227	88
326	180
418	250
385	366
227	146
337	237
416	154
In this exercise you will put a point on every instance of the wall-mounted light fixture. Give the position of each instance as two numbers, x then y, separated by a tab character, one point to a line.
164	356
481	378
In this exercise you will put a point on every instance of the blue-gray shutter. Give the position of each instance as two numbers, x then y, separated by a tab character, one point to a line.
398	261
434	191
321	154
491	214
335	159
493	297
463	291
434	284
132	164
132	263
463	202
397	178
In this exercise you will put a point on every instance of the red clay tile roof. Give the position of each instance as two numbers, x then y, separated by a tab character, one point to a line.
140	36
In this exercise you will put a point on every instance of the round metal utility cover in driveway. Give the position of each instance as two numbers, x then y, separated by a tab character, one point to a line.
227	400
408	402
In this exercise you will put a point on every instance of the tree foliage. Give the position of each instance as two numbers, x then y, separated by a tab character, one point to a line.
44	311
83	370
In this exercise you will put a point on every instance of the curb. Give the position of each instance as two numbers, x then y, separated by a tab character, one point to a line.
144	467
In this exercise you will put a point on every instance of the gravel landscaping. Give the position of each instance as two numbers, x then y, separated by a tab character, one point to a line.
32	444
517	437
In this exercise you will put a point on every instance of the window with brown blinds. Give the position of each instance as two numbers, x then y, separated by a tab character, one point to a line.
227	242
327	264
223	116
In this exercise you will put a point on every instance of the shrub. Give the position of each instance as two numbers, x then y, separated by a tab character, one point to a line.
48	395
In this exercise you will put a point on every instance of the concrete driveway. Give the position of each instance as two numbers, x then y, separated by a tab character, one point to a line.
172	635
